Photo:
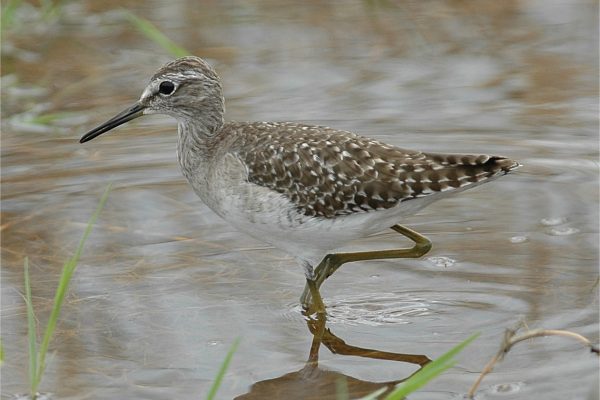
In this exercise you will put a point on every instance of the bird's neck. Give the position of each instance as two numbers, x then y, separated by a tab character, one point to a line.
195	147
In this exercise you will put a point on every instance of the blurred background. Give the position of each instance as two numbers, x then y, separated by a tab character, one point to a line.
164	286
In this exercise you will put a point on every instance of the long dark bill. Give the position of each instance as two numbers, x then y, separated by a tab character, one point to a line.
131	113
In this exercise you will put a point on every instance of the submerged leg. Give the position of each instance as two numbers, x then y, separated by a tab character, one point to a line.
316	305
332	262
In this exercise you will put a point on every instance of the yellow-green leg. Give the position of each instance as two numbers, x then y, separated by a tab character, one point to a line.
332	262
317	303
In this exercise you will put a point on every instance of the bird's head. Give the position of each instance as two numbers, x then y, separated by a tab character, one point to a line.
187	89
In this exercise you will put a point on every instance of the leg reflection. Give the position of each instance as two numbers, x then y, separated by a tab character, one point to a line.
313	382
323	335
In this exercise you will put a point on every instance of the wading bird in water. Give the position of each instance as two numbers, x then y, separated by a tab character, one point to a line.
304	189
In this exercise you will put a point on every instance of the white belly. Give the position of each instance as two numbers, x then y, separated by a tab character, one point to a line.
270	217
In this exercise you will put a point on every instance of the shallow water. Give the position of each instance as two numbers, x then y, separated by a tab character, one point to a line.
164	286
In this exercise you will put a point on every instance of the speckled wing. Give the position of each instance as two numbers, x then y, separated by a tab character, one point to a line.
328	173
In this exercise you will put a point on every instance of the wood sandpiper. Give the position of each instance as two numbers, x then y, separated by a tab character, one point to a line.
304	189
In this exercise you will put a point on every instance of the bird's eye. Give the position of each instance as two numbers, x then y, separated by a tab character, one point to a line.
166	87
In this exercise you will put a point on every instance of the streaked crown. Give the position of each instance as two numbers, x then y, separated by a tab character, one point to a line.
186	88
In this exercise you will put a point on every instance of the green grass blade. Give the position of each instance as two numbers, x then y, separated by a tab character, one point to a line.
430	371
154	34
31	331
341	388
425	375
217	383
51	8
63	285
90	225
8	13
47	119
374	395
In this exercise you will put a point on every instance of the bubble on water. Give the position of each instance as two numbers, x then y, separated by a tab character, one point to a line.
518	239
552	221
213	343
465	396
563	231
506	388
375	276
440	261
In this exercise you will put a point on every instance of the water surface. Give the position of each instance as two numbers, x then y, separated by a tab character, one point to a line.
165	286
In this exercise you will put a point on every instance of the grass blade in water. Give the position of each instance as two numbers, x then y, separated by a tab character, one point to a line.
63	285
423	376
31	331
217	383
429	372
8	13
154	34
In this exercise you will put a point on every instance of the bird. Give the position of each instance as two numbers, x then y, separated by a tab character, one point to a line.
304	189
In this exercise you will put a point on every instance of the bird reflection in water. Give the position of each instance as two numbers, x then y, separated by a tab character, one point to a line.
313	382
